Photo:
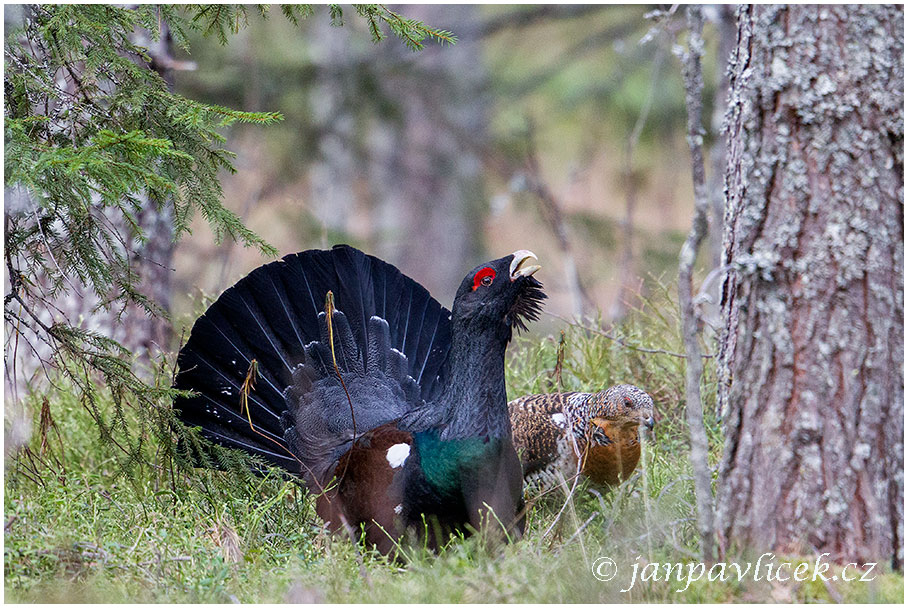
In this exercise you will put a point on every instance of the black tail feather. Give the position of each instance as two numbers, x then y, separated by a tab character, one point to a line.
272	316
325	415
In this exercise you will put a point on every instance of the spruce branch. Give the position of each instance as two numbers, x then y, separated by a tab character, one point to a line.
95	140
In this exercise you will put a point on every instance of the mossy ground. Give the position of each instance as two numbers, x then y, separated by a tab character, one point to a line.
77	529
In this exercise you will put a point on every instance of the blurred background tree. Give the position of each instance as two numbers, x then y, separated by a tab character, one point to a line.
554	128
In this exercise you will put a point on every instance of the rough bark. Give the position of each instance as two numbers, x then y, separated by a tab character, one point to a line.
811	357
723	17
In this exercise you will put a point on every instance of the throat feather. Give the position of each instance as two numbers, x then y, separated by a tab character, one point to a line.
475	398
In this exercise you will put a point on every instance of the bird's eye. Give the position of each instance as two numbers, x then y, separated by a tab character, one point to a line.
484	277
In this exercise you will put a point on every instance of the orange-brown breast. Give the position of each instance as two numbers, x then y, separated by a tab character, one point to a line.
610	464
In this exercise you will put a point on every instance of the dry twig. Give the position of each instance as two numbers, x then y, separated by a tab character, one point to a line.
551	210
693	87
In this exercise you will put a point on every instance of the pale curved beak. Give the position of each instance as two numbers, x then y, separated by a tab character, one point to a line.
523	264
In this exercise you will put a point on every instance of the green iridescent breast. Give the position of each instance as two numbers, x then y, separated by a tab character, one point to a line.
443	460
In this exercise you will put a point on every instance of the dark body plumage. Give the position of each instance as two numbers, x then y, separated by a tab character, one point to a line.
425	430
557	434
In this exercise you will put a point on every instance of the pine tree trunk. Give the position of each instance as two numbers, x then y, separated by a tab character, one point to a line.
811	358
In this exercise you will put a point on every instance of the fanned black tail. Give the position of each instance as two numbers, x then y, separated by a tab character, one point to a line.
328	407
272	315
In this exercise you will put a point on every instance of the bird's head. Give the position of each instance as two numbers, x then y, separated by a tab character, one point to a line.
623	406
500	294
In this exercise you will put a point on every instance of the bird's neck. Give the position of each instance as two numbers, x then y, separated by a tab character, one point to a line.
475	398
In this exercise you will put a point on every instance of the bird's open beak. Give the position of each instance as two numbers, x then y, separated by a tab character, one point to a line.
522	265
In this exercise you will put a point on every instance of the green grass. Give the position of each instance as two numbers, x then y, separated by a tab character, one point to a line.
79	529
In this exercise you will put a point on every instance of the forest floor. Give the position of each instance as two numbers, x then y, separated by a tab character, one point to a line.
80	529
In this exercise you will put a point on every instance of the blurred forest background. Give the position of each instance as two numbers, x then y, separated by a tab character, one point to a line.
558	129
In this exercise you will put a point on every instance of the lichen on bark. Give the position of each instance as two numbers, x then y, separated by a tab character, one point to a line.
811	356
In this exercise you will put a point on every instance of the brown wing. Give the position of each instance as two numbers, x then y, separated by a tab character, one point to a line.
536	434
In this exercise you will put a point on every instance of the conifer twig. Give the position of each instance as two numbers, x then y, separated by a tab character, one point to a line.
329	314
559	364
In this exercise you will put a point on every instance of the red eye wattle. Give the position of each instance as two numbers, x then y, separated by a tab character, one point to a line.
483	277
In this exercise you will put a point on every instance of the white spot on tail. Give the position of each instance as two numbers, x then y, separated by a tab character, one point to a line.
398	509
559	420
397	454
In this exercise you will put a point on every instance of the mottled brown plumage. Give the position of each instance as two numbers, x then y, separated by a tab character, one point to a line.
554	432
